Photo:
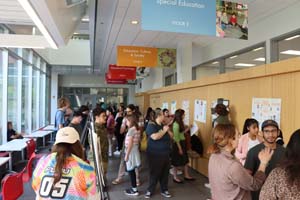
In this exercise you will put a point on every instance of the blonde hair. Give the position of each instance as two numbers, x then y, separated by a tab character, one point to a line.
62	102
222	133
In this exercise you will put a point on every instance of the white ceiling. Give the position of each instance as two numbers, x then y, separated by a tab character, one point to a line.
11	12
114	28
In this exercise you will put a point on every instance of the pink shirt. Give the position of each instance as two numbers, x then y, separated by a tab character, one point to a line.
230	180
242	149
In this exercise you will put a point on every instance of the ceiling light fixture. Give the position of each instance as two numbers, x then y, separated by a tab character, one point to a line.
37	21
293	37
85	19
260	59
259	48
233	57
216	62
134	22
244	65
291	52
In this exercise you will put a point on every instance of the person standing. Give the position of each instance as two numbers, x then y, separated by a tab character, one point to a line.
132	152
158	151
270	132
63	104
247	141
283	183
76	122
102	141
228	178
179	151
110	129
63	174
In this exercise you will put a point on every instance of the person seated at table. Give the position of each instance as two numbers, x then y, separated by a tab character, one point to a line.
11	133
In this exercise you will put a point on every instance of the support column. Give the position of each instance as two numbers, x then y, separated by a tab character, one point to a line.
184	62
54	93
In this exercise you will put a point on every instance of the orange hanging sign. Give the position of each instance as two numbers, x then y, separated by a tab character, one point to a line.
136	56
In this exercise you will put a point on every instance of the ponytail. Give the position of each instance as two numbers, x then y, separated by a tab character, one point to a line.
221	135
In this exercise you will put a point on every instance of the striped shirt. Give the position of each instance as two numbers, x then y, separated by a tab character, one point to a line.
132	132
78	181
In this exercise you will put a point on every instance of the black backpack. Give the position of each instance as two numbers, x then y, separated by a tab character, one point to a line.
197	144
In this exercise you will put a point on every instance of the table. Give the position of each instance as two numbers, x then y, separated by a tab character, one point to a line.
39	134
50	127
4	160
14	145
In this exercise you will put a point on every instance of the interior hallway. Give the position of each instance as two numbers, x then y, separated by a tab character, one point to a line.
194	190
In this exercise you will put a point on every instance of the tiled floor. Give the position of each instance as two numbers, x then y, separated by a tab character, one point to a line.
189	190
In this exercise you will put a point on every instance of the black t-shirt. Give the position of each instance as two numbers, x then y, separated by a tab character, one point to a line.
77	128
161	146
10	133
252	162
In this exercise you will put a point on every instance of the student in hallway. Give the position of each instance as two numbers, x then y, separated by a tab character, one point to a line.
102	141
132	152
158	151
283	183
248	140
130	110
76	122
63	174
227	177
270	133
179	150
110	129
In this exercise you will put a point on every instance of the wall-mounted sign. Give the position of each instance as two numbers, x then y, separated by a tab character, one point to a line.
202	17
114	81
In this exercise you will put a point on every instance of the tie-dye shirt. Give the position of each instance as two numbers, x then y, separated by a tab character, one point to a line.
78	181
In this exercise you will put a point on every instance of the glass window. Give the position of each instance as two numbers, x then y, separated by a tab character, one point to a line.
289	47
25	54
1	82
12	88
250	58
34	94
25	98
35	60
208	69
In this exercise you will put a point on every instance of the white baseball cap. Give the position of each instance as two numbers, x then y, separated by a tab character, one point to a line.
67	135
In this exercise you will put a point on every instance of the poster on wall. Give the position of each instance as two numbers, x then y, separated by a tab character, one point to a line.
200	110
165	105
186	108
173	107
266	108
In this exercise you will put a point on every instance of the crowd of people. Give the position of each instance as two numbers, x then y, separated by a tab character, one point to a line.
251	166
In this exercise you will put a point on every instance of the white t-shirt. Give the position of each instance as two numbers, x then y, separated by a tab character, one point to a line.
252	143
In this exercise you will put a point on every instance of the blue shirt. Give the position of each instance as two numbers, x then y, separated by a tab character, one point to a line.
59	118
160	146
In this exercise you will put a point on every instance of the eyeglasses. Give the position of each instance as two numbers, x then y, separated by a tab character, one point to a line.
270	131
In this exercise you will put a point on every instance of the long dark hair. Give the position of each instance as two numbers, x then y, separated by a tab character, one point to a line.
221	109
148	114
178	118
248	122
291	162
63	151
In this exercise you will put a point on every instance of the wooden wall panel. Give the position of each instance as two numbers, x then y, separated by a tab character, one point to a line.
267	81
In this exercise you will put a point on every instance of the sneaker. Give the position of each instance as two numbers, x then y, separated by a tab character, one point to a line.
131	192
117	153
166	194
147	195
207	185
